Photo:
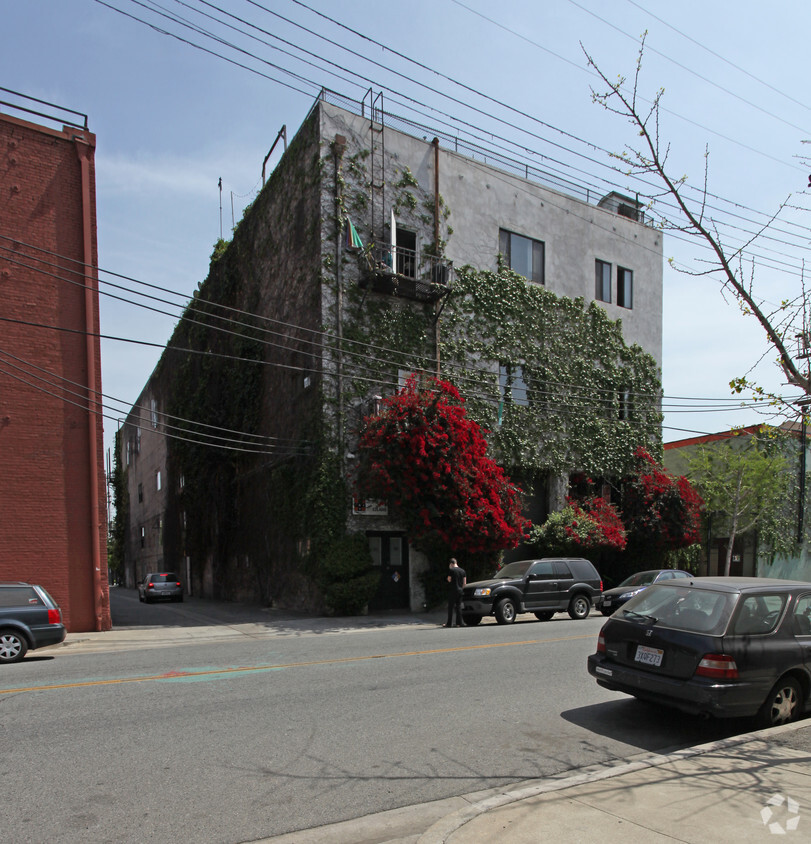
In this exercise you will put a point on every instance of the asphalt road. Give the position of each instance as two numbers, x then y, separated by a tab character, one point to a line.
239	740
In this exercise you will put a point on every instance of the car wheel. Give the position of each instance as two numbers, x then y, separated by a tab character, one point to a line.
13	646
543	616
471	620
579	607
783	704
505	611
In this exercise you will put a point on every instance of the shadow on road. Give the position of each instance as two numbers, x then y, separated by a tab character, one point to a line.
651	727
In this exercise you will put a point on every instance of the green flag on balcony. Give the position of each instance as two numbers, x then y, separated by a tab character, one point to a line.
353	240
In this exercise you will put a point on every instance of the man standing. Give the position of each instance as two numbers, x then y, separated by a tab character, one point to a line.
456	582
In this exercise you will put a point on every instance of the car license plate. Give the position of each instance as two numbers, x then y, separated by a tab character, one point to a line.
649	656
607	602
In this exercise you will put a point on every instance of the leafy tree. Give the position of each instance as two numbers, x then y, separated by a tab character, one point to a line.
428	460
661	512
743	479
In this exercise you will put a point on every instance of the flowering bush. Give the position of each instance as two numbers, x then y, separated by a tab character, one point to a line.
591	524
660	511
423	455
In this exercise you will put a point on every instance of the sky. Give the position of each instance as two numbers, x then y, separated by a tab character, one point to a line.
172	120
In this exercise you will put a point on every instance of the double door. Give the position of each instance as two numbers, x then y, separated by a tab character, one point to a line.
390	555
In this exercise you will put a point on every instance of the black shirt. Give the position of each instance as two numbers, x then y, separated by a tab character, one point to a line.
457	579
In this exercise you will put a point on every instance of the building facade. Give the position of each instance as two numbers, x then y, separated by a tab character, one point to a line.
51	451
337	286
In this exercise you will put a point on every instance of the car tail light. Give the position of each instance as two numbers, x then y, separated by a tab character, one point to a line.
54	616
178	583
601	585
717	665
150	586
601	643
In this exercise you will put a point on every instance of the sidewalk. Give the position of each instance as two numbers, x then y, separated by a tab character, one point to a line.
742	789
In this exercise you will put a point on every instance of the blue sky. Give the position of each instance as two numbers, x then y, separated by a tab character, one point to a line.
171	120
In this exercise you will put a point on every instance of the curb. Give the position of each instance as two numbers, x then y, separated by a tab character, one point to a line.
441	831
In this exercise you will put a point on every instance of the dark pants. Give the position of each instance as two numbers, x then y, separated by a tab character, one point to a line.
455	603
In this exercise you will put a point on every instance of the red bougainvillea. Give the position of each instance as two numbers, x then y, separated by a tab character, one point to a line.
583	525
428	460
660	511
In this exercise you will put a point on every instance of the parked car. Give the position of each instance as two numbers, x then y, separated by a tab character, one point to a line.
29	619
542	587
720	646
160	587
633	585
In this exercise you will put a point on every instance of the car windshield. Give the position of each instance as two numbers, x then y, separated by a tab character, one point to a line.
641	578
694	610
518	569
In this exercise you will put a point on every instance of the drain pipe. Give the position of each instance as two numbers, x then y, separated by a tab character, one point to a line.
338	149
83	151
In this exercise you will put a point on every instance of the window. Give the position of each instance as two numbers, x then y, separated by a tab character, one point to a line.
158	480
138	440
625	405
523	254
143	536
140	493
625	287
802	616
512	386
129	451
153	410
406	250
602	291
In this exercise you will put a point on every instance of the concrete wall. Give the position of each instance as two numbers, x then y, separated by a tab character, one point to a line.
52	495
483	199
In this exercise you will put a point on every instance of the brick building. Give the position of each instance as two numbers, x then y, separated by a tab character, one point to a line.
342	278
52	496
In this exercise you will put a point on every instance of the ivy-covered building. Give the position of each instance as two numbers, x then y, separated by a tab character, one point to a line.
374	251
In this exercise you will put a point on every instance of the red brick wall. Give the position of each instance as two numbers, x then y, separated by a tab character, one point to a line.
51	447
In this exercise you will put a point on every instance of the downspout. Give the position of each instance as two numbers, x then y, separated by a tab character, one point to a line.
338	147
436	248
83	152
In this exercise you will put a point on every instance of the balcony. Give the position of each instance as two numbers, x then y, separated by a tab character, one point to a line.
403	272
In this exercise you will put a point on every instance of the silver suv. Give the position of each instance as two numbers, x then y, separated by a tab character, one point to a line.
29	619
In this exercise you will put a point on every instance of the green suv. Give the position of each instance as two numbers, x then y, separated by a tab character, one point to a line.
29	619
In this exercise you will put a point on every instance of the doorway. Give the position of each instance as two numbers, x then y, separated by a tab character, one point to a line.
390	555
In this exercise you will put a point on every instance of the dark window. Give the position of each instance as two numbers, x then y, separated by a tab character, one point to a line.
523	254
171	577
625	287
406	253
545	570
602	290
143	536
140	493
18	596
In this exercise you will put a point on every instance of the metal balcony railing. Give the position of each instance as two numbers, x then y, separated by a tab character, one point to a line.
404	272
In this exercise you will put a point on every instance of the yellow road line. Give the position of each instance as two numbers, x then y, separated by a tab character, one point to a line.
174	675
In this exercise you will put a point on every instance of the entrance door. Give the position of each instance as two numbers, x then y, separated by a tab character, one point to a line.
390	555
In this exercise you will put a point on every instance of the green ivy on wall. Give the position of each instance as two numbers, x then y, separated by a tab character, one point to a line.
590	398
